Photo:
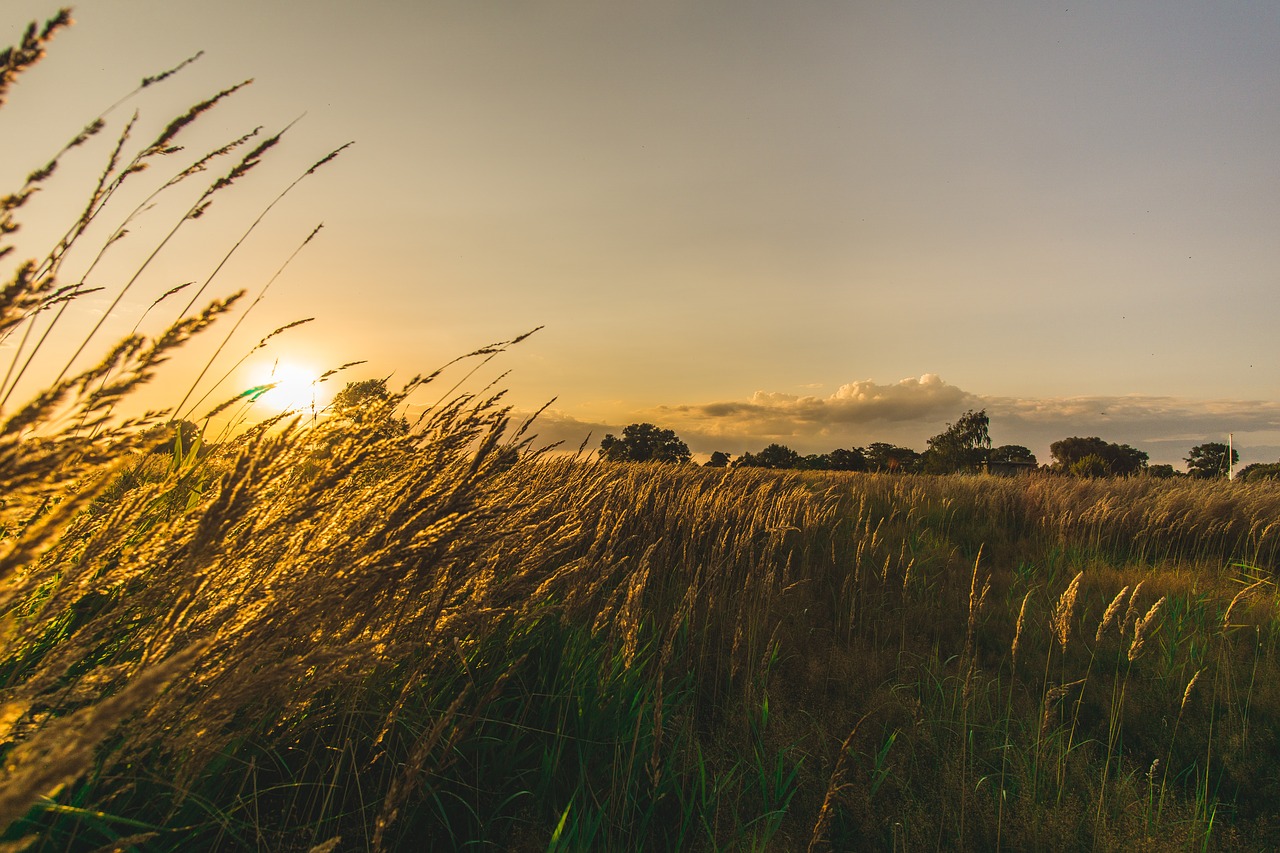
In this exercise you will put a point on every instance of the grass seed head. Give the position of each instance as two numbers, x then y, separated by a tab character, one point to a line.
1017	632
1131	613
1186	694
1143	627
1064	613
1109	616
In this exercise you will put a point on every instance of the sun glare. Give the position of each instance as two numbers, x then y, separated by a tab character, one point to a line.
295	388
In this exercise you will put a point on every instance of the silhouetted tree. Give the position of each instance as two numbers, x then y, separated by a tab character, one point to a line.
815	462
882	456
1161	472
1013	453
848	459
173	435
644	443
1118	460
1257	471
368	403
719	459
1210	460
773	456
962	446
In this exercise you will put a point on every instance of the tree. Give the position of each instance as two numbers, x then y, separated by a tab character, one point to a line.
1090	465
1118	460
962	446
368	403
773	456
1256	472
816	462
719	459
1210	460
883	456
356	397
1013	453
1161	472
644	443
174	437
851	459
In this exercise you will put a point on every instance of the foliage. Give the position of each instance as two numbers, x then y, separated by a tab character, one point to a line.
882	456
1014	453
781	457
777	456
1257	471
368	403
1162	471
719	459
644	443
962	446
1210	460
1119	460
847	459
1090	465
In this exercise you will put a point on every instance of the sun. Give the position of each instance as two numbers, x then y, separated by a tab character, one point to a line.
295	387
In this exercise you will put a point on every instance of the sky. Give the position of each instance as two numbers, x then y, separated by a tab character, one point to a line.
821	224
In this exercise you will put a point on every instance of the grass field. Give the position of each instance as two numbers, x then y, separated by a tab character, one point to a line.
421	641
352	636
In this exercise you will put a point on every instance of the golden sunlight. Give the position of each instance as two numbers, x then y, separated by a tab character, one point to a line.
295	387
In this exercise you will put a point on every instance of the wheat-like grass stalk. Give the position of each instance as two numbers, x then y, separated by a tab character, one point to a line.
1143	628
1131	612
1064	612
1186	694
1110	614
15	60
1241	595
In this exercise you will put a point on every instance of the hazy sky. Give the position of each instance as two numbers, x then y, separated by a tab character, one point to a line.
819	223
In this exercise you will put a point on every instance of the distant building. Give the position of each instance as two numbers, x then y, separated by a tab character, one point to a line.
1008	468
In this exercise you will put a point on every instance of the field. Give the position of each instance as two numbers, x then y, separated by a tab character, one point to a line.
425	640
355	633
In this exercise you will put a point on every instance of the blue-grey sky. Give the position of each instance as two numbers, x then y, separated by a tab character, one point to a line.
746	221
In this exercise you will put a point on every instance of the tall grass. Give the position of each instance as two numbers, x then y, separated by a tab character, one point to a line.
351	635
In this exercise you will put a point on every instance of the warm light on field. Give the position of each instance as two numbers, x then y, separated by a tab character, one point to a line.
295	388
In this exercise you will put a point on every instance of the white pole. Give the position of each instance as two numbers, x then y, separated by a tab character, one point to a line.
1231	467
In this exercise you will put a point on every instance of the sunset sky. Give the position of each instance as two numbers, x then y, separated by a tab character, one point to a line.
817	223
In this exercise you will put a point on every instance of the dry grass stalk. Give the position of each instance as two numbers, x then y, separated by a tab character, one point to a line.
1109	616
1242	595
1186	694
1051	700
63	750
1064	612
820	841
1143	628
1132	612
15	60
1017	632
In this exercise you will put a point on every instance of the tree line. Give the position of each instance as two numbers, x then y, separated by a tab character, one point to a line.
963	447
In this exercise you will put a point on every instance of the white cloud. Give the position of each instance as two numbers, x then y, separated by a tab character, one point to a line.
910	411
862	402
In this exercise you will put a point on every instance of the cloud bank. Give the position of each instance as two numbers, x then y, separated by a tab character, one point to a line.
856	404
911	410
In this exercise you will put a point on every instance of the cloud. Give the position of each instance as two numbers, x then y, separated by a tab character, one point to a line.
552	426
1165	427
862	402
910	411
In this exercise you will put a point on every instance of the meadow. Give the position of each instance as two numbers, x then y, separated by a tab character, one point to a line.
337	634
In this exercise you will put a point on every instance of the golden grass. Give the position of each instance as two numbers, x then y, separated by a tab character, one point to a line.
358	634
